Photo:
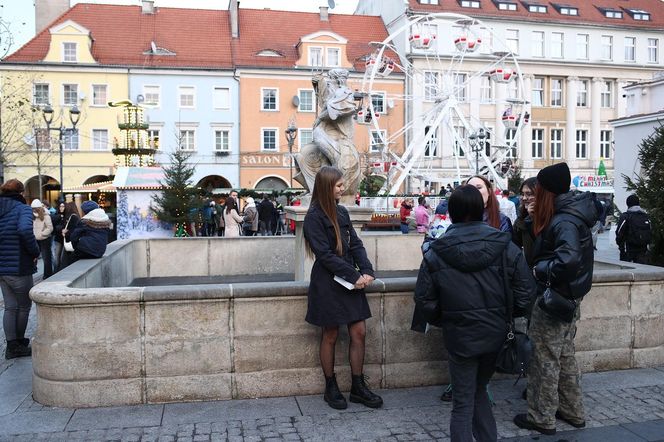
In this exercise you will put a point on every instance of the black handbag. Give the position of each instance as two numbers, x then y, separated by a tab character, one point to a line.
514	355
556	305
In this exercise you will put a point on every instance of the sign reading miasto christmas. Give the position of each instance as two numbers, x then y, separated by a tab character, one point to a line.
592	181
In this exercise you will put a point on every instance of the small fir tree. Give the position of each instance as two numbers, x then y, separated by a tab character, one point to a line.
648	187
177	198
515	179
601	169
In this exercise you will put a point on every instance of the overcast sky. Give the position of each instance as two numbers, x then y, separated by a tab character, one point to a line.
19	15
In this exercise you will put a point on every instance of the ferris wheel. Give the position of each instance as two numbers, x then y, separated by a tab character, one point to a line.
464	99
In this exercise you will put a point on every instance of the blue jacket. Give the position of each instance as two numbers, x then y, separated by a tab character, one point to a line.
18	246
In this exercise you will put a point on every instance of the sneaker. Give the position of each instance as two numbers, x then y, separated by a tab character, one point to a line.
521	421
581	424
447	394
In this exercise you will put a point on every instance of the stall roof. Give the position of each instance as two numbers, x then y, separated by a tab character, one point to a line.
139	178
104	186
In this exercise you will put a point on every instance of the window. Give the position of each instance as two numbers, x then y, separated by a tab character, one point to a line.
153	138
332	57
429	2
71	139
42	139
506	6
269	99
537	42
538	143
269	140
69	52
510	140
306	100
151	95
612	13
557	43
187	139
582	46
459	141
378	138
639	14
556	92
431	148
581	144
460	87
470	4
538	91
607	47
186	96
99	94
41	94
431	80
512	36
306	136
607	94
513	91
605	139
630	48
222	140
486	91
653	49
315	56
556	143
540	9
221	98
99	139
582	93
70	94
378	102
564	10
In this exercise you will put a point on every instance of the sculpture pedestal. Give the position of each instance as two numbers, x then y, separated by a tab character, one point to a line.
304	261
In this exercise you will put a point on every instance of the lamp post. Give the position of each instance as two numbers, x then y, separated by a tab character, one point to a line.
74	117
291	135
477	145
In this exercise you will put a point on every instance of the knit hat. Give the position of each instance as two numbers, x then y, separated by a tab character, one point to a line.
36	204
632	200
89	205
555	178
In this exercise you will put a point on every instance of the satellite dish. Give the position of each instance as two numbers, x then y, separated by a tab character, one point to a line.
140	98
296	99
331	4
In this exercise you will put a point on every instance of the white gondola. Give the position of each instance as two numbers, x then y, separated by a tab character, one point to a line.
365	117
421	40
466	44
501	75
371	61
386	67
510	121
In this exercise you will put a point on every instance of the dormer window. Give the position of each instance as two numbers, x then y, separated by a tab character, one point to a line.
611	13
567	10
469	4
639	14
428	2
269	53
69	52
540	9
505	6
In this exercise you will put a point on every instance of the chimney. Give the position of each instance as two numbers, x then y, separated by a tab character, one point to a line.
147	6
323	13
48	10
234	14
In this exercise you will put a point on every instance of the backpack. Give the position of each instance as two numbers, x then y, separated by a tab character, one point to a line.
639	233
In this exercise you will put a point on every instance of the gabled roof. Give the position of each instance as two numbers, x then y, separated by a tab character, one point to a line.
122	35
283	30
588	13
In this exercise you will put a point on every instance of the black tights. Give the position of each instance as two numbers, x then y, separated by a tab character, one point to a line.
357	332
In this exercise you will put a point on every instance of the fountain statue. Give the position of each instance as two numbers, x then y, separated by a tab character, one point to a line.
332	135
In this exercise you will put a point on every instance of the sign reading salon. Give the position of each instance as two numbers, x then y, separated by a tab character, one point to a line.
263	160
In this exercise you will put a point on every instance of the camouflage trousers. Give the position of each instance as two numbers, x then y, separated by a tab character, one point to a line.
553	374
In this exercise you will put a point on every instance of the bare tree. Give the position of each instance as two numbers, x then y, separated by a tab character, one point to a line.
15	112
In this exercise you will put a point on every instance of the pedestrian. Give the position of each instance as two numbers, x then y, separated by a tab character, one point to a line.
507	207
250	223
232	219
515	199
461	287
90	236
339	275
18	254
634	233
522	230
564	260
492	215
219	219
422	215
72	218
43	228
404	212
58	224
265	209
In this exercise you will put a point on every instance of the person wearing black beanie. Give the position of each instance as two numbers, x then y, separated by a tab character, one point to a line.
634	232
556	178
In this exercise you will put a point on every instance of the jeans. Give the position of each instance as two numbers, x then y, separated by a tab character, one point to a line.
265	227
404	228
471	408
58	255
45	246
15	291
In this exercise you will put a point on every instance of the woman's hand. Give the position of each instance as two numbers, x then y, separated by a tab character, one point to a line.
361	283
368	279
531	209
64	232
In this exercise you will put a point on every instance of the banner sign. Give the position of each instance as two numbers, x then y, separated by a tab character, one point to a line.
592	182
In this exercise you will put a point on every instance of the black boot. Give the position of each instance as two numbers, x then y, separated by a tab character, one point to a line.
359	392
332	395
16	350
24	343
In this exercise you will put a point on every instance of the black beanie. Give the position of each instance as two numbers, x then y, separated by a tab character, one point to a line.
555	178
632	200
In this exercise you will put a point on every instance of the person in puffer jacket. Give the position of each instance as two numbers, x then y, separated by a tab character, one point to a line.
90	236
18	261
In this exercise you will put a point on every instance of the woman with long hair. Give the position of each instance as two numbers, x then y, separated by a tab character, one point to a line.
563	269
232	219
492	215
58	225
43	227
71	217
522	231
336	295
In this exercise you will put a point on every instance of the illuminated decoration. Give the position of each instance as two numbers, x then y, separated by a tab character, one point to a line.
135	148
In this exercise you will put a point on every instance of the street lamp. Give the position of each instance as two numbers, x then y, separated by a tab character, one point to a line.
477	145
291	135
74	117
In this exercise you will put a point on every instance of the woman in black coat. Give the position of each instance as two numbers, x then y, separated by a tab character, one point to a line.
336	295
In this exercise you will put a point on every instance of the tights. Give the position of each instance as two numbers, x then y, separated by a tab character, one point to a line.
357	332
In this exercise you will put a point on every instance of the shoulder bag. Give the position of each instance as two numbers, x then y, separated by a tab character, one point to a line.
556	305
69	247
514	355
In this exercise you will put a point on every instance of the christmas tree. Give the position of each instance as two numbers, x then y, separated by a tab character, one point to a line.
177	197
648	187
601	170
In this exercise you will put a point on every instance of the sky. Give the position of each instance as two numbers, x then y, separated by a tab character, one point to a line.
18	16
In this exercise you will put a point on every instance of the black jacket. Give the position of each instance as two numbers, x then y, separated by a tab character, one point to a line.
90	239
524	237
462	272
265	209
564	252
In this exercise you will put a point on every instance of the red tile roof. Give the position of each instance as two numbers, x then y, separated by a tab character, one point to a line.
589	12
